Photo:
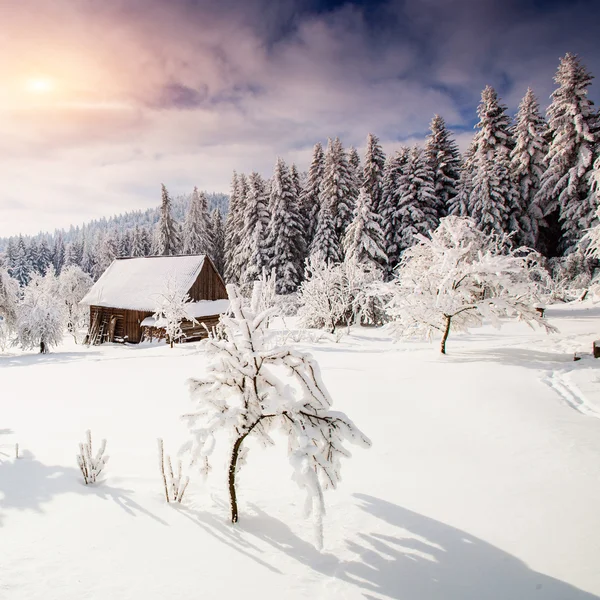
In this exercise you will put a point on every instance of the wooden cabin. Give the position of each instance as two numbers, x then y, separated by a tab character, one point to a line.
125	297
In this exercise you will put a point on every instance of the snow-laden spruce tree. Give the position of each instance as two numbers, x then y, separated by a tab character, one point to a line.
309	199
285	239
234	223
21	268
138	247
442	154
58	253
355	176
390	217
41	314
253	391
218	240
171	309
196	227
460	276
326	242
565	195
417	208
256	223
167	238
337	186
491	195
373	167
527	164
73	285
364	241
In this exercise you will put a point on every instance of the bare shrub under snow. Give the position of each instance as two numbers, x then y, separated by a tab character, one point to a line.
174	481
250	390
459	277
91	465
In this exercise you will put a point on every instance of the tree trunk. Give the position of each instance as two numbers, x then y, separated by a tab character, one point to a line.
171	342
42	347
446	333
232	468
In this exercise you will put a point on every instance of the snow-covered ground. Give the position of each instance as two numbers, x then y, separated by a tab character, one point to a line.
483	482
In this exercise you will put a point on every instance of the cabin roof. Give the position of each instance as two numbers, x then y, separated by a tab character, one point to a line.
137	283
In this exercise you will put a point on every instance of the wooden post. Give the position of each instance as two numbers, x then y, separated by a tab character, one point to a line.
596	349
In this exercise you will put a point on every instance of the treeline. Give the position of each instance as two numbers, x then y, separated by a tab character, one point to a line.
96	244
535	178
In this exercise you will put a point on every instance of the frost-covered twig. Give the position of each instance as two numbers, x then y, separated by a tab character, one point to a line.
91	466
175	484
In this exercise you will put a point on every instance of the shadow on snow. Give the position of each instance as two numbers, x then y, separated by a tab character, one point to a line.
417	558
27	484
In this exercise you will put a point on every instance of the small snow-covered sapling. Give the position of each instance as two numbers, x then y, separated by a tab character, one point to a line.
91	466
175	484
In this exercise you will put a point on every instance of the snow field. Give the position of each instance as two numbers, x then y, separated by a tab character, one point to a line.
482	482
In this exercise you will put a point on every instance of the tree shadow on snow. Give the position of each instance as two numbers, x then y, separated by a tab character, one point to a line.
516	357
417	558
28	360
26	484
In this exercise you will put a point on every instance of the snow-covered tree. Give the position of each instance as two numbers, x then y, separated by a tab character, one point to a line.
138	244
73	285
459	276
167	238
41	314
218	241
171	309
9	295
234	225
442	154
491	196
309	199
106	251
372	179
285	239
21	268
252	391
58	253
527	165
326	242
337	187
256	224
417	208
364	240
565	195
390	217
196	227
338	294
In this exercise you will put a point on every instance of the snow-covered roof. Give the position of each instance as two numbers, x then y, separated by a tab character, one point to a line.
137	283
196	310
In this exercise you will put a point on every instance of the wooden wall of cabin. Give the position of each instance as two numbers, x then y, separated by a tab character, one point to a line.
208	285
128	322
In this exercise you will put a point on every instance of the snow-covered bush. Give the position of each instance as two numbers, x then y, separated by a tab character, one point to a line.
91	466
459	277
41	314
170	310
175	483
334	294
253	391
73	285
9	295
571	275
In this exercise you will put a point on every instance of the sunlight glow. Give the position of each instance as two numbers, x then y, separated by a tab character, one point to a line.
39	85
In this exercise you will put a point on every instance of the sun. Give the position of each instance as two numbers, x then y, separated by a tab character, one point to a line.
39	85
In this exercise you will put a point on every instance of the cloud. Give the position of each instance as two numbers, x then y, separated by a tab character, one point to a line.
185	91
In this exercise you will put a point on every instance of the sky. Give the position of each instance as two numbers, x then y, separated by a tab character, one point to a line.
101	102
